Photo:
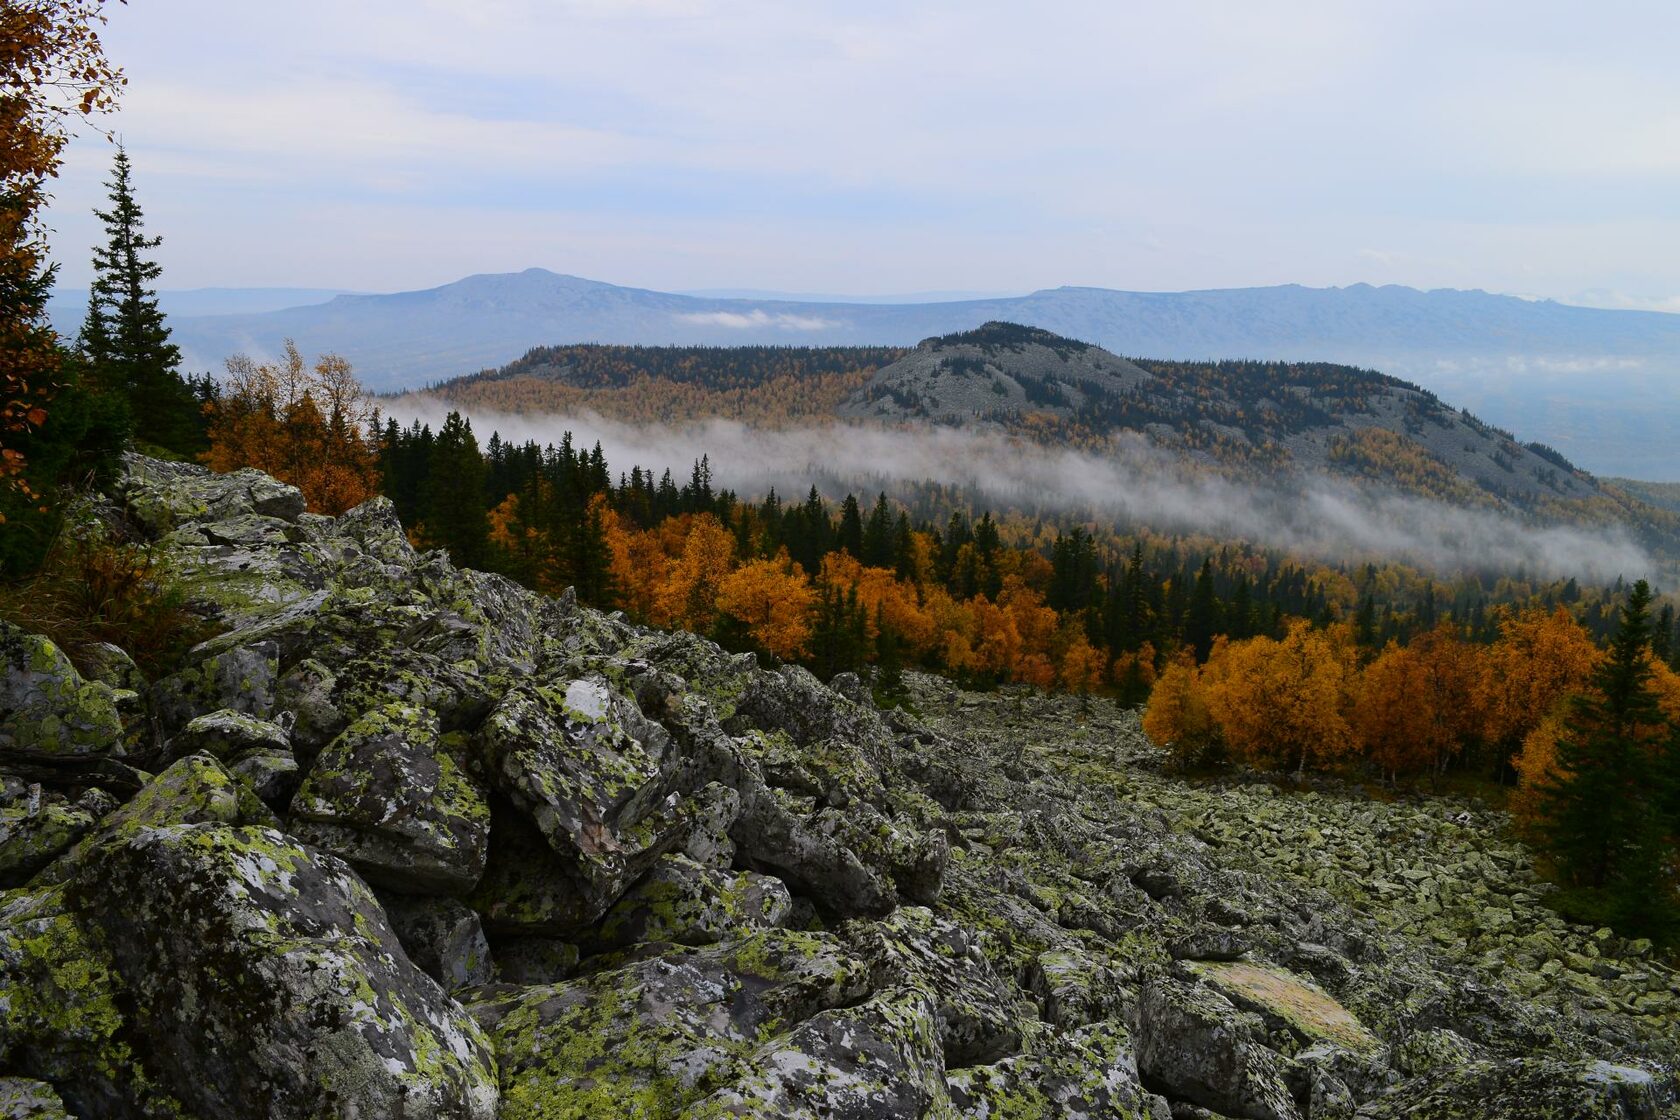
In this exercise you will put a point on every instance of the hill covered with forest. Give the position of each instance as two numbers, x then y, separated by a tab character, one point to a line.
1286	426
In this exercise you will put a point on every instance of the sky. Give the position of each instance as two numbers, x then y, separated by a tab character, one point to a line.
1518	146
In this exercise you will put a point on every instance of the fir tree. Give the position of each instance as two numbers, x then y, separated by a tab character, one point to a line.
125	339
1602	815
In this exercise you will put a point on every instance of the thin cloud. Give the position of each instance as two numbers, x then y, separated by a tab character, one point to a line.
757	317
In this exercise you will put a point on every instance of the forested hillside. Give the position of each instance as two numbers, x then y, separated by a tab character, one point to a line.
675	384
1277	424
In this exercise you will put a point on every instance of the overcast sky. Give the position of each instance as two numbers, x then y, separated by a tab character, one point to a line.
1515	145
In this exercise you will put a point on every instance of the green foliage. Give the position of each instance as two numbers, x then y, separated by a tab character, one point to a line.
76	448
1605	821
125	339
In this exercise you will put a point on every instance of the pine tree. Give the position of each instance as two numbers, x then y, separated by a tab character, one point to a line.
1601	815
125	339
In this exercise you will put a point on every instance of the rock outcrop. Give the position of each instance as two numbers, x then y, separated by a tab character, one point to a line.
404	840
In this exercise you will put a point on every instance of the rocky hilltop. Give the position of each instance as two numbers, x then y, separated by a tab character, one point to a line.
402	840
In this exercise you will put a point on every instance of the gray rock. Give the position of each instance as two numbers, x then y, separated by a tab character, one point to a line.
656	1035
1089	1074
586	766
390	796
226	734
262	978
34	830
24	1099
879	1060
976	1012
239	680
681	902
443	938
47	711
1194	1045
1526	1089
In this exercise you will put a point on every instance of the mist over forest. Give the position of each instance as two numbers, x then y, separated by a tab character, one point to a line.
1132	483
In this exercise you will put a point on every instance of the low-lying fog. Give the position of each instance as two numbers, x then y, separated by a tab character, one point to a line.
1131	483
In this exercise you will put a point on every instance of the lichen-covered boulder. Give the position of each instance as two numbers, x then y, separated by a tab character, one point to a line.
681	902
47	711
225	972
1088	1074
390	796
654	1036
977	1013
1527	1089
225	734
34	830
240	679
879	1060
1290	1002
161	496
586	766
1196	1046
24	1099
716	809
194	790
442	937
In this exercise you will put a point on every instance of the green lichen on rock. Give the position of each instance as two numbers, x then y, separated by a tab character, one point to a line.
391	797
682	902
47	710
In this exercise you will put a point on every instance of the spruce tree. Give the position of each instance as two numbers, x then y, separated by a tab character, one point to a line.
1602	816
1201	617
455	517
125	339
850	535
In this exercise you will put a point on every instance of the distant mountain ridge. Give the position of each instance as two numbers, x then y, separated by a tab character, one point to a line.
1599	385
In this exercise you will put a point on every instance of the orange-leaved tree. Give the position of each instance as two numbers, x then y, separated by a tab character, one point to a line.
1283	705
1541	657
773	600
1177	719
307	425
686	598
1415	705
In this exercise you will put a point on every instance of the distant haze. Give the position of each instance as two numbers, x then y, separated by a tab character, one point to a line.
1597	385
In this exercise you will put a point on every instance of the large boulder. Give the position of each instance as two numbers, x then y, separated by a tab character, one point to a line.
1089	1074
587	767
1196	1046
390	796
47	711
220	971
879	1060
681	902
1528	1089
651	1038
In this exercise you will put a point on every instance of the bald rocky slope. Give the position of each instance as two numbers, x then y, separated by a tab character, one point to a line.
402	840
